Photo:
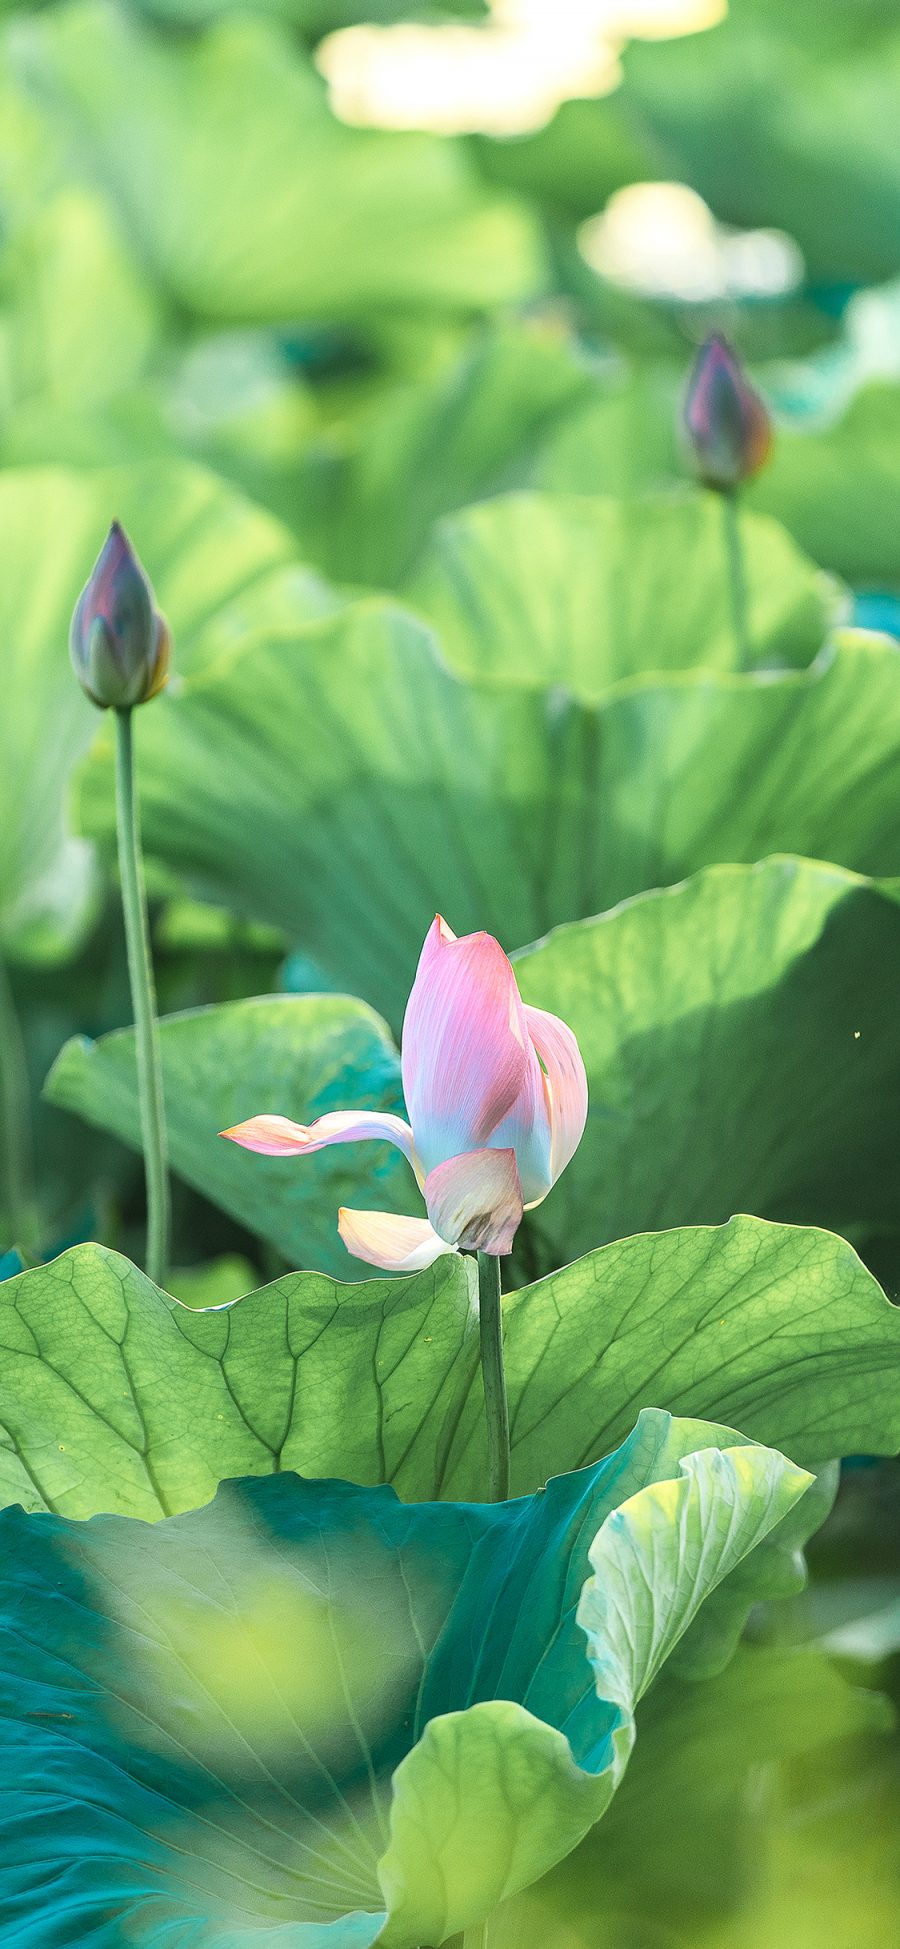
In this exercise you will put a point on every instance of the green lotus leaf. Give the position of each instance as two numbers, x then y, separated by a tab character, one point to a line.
308	1706
834	487
558	589
626	440
772	1326
245	195
366	503
115	1397
742	1055
502	807
301	1054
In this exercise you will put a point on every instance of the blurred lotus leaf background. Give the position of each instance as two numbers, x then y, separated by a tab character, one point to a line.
372	323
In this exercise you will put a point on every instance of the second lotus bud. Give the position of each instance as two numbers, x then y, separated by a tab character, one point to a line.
120	644
726	422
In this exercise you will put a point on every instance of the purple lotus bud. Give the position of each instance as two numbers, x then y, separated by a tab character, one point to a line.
119	642
726	422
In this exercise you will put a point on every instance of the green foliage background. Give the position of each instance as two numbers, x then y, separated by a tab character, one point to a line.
452	631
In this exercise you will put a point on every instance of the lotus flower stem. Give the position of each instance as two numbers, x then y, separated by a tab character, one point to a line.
17	1193
494	1378
737	579
143	1000
476	1937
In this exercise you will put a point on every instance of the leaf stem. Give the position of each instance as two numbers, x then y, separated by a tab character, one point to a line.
737	579
17	1197
494	1378
143	1001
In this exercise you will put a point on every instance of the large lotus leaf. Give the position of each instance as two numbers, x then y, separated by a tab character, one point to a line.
367	499
376	786
307	1704
115	1397
217	563
741	1043
749	1319
246	196
298	1055
559	589
835	487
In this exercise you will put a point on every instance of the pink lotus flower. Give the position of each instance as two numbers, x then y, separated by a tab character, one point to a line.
497	1100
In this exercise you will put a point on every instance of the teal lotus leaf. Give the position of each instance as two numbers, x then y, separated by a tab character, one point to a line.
311	1714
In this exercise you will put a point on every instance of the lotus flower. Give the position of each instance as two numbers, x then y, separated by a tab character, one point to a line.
497	1099
726	422
120	644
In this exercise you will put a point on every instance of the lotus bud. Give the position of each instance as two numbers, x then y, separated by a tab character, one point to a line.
119	642
727	425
